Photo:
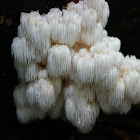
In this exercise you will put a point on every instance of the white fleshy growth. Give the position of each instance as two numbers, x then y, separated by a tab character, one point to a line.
83	67
112	43
30	94
67	64
64	29
78	7
24	114
41	93
90	38
43	74
59	61
124	107
31	72
21	51
19	95
82	114
27	72
131	77
55	111
44	94
28	113
81	107
36	29
91	24
57	83
116	96
102	9
99	65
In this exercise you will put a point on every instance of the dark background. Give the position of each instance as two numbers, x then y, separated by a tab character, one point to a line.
124	23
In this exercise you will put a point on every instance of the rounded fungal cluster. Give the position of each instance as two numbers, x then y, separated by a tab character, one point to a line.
69	67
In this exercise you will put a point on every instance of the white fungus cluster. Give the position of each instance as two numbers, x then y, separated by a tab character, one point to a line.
67	64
